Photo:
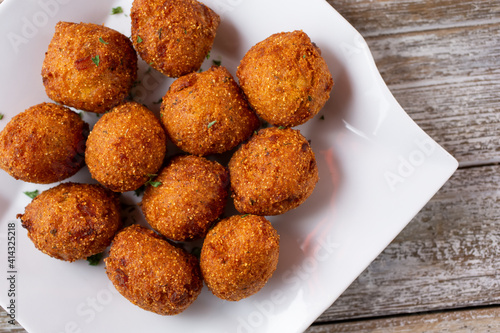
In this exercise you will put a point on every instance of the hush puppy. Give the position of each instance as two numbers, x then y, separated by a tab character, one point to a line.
191	194
44	144
152	273
285	79
173	36
72	221
126	146
239	255
206	113
88	66
274	172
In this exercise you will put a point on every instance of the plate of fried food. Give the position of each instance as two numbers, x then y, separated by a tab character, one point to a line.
213	166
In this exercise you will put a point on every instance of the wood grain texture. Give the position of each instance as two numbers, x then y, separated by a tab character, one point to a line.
386	17
448	82
464	321
441	60
446	258
6	327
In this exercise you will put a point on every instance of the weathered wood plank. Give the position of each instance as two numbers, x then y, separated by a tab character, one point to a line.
441	61
446	258
448	82
6	327
384	17
484	320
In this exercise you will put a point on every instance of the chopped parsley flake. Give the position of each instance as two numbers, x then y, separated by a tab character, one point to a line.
210	124
1	116
216	62
208	55
281	127
150	180
152	183
139	39
32	194
95	60
95	259
117	10
102	41
322	117
242	216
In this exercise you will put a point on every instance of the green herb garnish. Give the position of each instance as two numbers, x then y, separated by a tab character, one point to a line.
150	180
95	259
139	39
322	118
32	194
208	55
281	127
216	62
117	10
1	116
242	216
95	60
152	183
210	124
103	41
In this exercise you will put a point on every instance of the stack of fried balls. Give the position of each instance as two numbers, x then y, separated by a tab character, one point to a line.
282	82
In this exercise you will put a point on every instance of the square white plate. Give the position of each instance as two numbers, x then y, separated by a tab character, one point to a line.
377	170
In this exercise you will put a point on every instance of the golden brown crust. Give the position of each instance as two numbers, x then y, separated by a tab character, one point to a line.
173	36
285	79
206	113
126	146
72	221
274	172
74	76
151	273
44	144
191	196
239	255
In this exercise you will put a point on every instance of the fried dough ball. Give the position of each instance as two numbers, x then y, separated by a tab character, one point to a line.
206	113
152	273
173	36
285	79
72	221
274	172
89	67
44	144
126	146
191	196
239	255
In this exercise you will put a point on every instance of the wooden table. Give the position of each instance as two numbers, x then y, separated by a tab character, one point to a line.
441	60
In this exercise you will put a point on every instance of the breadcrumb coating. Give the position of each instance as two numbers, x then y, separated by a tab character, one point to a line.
191	196
126	147
173	36
274	172
89	67
285	78
152	273
206	113
44	144
239	255
72	221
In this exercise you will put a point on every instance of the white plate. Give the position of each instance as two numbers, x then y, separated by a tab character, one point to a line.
377	170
